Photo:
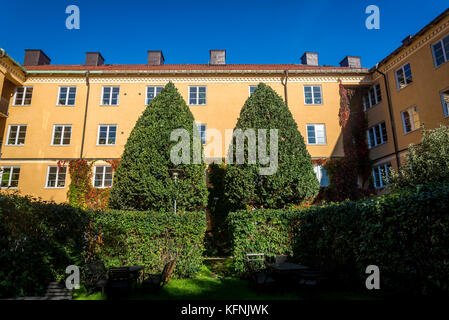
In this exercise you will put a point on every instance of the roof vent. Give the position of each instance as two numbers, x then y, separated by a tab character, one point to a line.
217	57
35	57
310	58
94	59
351	62
155	58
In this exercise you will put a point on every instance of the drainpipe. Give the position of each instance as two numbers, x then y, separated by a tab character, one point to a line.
85	114
390	111
284	83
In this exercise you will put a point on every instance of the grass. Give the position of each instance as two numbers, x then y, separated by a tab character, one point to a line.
215	282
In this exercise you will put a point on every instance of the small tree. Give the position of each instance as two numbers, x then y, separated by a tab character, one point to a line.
427	162
294	180
143	179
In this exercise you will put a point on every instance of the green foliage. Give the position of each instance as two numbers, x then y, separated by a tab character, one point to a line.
261	231
427	162
142	180
38	240
152	239
405	234
294	180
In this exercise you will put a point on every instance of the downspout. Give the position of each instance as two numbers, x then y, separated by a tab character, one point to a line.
85	114
284	83
390	111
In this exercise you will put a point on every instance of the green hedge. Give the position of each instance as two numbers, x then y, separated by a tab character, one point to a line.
152	239
406	234
261	231
38	240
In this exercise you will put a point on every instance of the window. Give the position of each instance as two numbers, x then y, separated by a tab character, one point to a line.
377	135
61	135
372	97
66	96
202	130
152	92
56	176
251	90
10	177
16	135
316	134
440	51
103	176
107	134
312	95
197	95
410	119
381	175
404	76
110	96
23	95
445	102
321	175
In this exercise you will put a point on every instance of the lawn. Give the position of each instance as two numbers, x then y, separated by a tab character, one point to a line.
214	282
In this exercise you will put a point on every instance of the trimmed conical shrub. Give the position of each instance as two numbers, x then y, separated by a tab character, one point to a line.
294	181
143	179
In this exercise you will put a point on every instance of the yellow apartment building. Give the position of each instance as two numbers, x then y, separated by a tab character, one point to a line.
66	112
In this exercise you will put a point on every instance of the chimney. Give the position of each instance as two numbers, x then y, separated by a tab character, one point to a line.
310	59
351	62
35	57
94	59
155	58
217	57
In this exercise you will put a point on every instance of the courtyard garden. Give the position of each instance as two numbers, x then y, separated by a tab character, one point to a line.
161	231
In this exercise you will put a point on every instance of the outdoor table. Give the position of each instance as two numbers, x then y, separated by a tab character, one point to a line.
135	271
286	267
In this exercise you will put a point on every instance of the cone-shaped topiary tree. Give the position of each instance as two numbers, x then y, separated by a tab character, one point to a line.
143	179
294	181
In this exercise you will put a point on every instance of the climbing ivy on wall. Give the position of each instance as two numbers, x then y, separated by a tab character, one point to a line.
81	193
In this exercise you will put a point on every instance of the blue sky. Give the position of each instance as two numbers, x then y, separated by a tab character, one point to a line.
262	31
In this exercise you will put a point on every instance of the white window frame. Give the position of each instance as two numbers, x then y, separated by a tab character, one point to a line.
315	131
368	135
198	125
312	86
367	100
17	136
319	170
197	96
67	96
25	89
147	102
57	177
378	168
402	68
412	120
2	169
444	103
110	97
446	58
64	126
103	177
107	134
249	90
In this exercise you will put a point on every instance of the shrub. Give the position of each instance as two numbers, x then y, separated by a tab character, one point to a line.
142	180
294	180
427	162
405	234
261	231
38	240
152	239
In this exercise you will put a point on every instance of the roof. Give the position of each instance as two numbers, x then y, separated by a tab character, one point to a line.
195	68
410	40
